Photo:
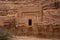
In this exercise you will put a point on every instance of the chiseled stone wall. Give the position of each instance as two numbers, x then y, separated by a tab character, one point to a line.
32	9
44	14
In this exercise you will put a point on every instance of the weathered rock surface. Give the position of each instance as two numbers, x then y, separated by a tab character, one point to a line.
44	16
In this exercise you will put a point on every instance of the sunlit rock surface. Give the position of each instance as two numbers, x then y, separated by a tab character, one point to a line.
44	16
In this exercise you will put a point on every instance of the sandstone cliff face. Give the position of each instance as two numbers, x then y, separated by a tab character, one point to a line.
32	9
44	15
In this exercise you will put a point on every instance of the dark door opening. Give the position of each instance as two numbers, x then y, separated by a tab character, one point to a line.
30	22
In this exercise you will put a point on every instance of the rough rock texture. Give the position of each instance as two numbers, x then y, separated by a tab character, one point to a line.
44	16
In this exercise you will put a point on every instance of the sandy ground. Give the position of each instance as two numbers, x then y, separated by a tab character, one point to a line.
29	38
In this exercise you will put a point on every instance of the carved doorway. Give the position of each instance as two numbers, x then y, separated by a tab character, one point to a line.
30	22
